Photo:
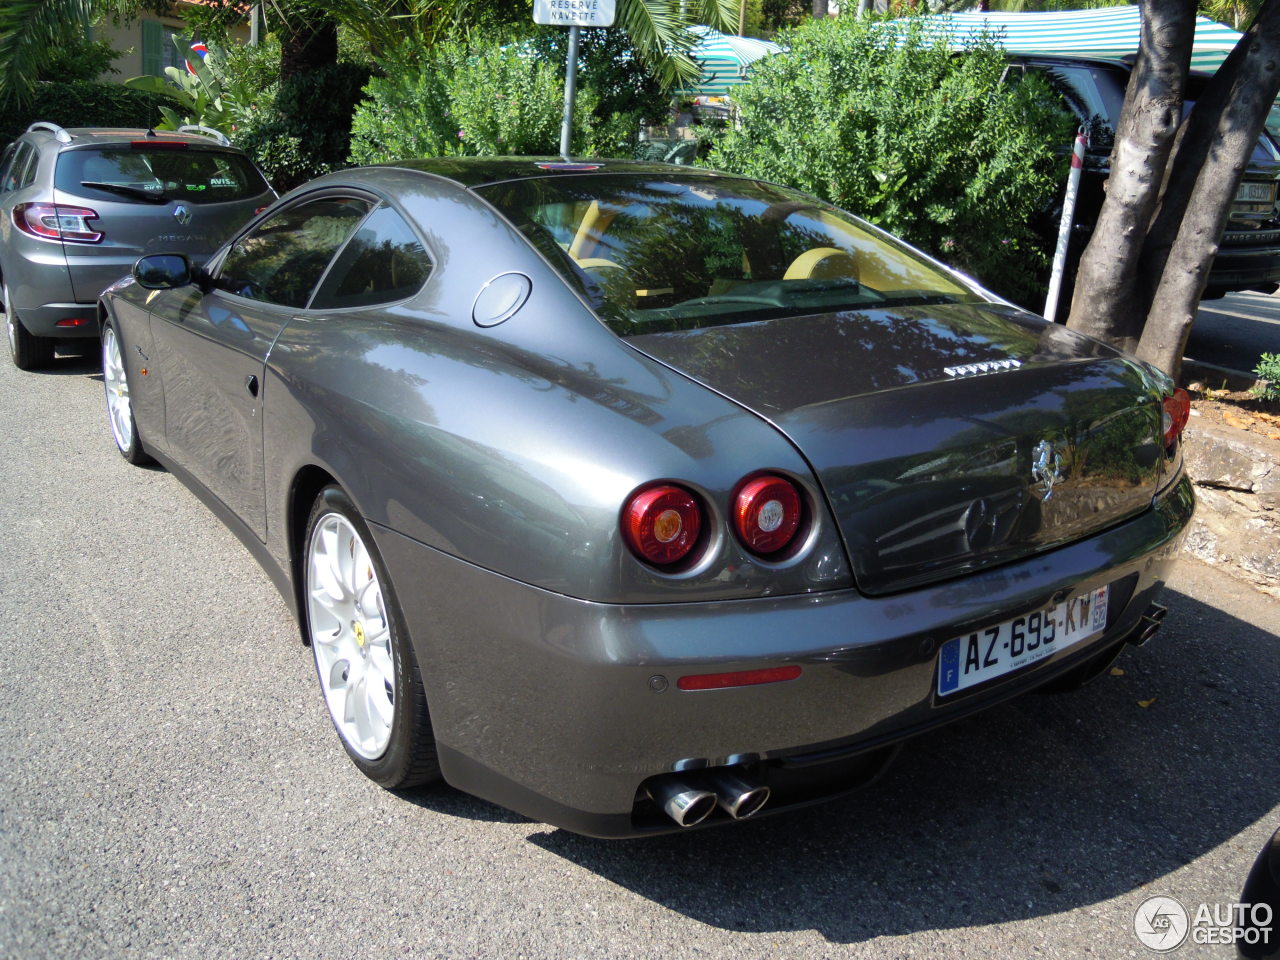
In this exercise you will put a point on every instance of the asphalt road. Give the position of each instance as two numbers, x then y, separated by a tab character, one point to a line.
170	785
1235	330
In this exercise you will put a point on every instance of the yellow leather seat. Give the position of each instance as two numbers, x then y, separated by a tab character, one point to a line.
823	263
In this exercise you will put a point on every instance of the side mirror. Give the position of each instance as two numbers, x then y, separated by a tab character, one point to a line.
163	271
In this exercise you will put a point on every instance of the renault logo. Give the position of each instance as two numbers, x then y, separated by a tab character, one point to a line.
182	214
1046	467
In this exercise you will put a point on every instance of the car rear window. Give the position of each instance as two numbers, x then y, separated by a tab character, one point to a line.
145	174
693	251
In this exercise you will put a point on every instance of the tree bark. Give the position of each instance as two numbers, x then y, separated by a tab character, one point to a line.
308	44
1242	112
1105	302
1190	151
820	8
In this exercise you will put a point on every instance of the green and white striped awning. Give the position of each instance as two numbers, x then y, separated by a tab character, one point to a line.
724	59
1109	33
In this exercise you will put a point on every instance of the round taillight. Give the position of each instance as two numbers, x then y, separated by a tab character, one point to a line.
661	523
766	513
1177	410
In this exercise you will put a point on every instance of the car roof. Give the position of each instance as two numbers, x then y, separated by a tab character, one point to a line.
88	136
1065	58
480	171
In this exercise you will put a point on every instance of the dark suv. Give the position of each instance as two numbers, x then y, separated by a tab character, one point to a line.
78	207
1249	251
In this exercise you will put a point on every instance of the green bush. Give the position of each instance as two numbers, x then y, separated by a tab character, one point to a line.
1268	369
76	59
81	105
490	100
257	67
927	143
306	130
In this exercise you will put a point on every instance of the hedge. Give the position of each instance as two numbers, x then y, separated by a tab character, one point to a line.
81	104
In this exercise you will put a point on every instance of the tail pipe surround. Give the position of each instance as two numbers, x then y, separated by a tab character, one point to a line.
690	801
735	796
1148	625
685	804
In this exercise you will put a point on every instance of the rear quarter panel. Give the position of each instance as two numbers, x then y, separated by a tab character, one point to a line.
514	447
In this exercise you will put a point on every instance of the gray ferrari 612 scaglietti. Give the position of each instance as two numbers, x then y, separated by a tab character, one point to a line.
634	497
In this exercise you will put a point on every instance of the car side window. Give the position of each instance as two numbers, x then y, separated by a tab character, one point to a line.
1100	92
5	166
283	258
29	170
385	261
19	161
1086	92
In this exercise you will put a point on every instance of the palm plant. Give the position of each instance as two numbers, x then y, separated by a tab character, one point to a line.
655	27
205	96
27	29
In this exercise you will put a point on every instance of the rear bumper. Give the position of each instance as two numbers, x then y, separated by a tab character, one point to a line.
35	273
1243	268
44	320
561	708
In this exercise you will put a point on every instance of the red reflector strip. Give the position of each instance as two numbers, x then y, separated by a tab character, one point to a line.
158	144
72	322
739	678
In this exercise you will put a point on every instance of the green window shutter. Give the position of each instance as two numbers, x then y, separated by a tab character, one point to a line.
152	48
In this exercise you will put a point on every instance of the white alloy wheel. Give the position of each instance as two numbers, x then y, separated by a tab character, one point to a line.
350	635
119	408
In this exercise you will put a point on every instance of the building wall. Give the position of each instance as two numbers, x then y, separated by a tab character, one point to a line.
146	46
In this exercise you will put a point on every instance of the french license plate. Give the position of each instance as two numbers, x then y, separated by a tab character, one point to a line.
1251	191
974	658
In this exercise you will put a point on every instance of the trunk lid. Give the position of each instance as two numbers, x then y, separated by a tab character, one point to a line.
1038	438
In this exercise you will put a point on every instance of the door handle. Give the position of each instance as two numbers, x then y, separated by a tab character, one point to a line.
251	384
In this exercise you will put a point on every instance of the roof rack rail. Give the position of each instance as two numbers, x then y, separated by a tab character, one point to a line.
205	131
59	134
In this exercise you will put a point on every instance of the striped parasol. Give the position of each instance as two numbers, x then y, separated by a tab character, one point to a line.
1109	33
725	60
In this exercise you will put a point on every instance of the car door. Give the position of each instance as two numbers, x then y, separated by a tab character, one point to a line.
212	346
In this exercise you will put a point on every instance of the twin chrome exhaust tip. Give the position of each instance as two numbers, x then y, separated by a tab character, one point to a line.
690	802
1148	625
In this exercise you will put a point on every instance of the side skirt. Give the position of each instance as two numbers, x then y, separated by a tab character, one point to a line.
278	572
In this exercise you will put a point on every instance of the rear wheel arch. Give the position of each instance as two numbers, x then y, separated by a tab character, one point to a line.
306	487
28	351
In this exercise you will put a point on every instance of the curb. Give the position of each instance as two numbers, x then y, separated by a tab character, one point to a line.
1236	526
1211	374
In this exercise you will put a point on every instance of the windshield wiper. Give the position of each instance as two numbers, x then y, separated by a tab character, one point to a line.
124	189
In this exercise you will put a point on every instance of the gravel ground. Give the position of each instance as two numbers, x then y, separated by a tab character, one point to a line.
170	785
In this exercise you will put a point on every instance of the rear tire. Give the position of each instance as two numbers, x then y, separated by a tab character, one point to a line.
368	673
29	352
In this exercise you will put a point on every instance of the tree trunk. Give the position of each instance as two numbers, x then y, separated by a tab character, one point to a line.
1105	303
308	44
820	8
1219	161
1190	151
